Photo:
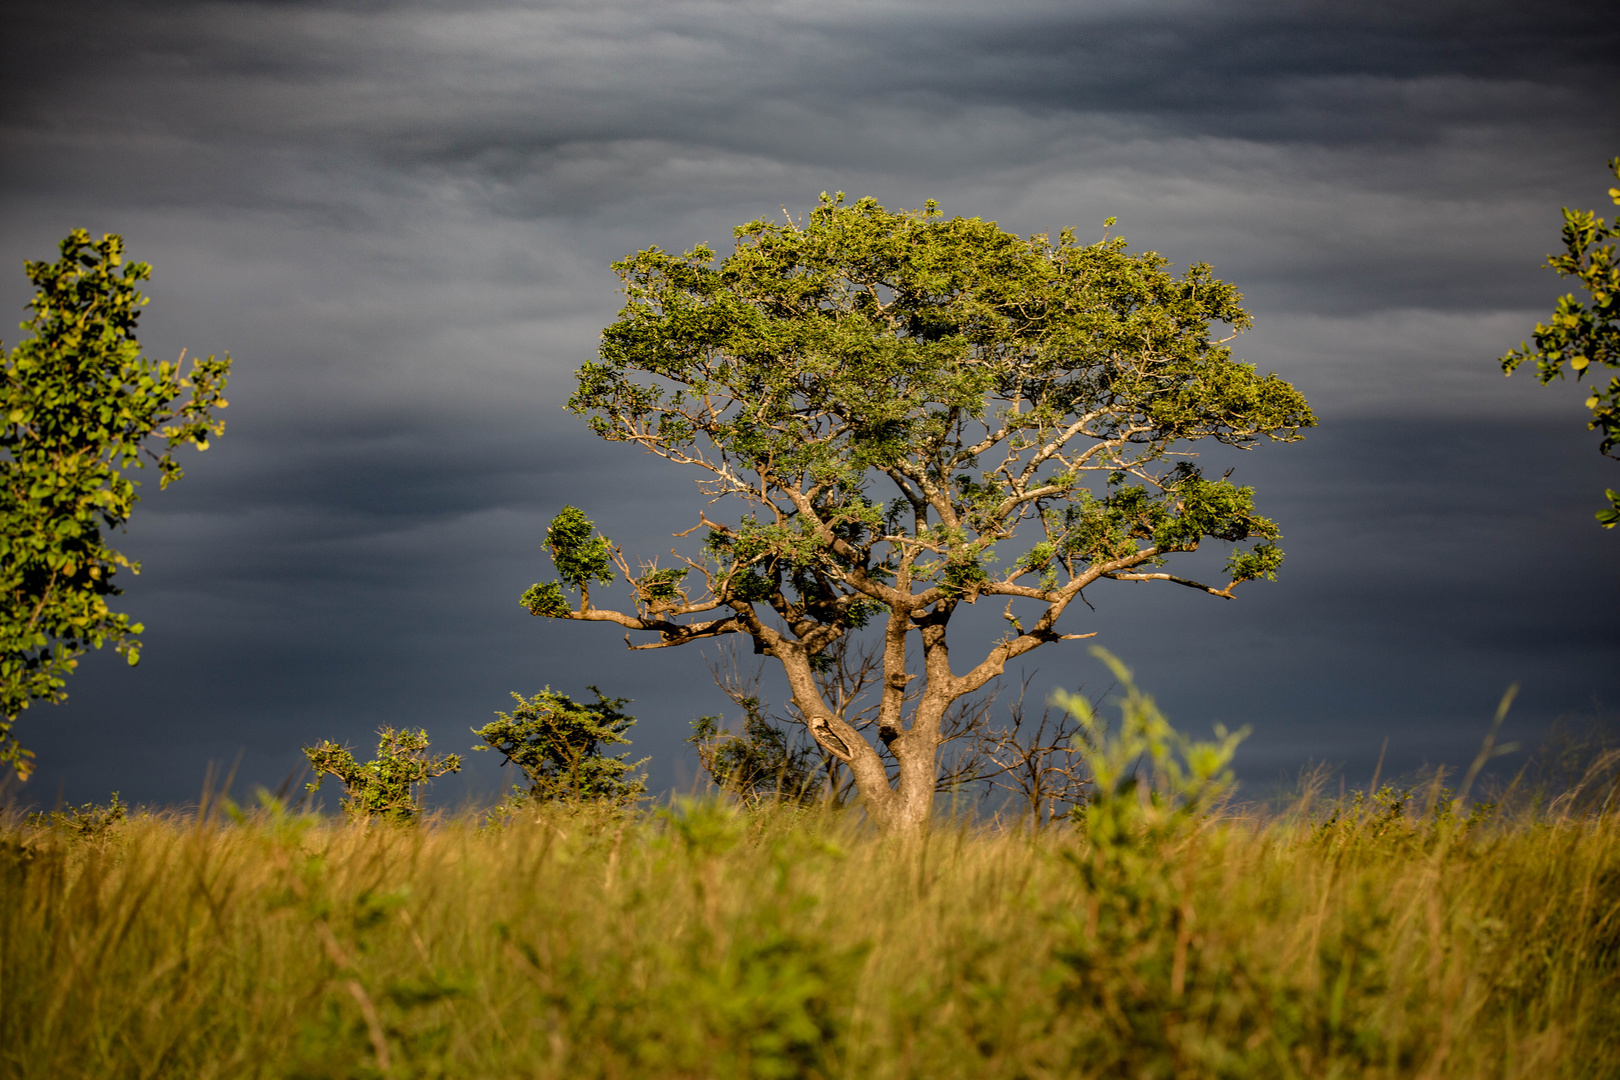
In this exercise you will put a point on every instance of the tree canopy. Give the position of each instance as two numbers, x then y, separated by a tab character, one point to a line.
912	413
80	409
1581	336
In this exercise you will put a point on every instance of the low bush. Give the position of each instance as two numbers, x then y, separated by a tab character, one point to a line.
388	786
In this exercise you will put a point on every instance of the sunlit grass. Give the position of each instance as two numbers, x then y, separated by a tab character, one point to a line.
702	942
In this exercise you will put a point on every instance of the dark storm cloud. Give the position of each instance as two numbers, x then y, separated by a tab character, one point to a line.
1184	60
511	89
1288	121
399	218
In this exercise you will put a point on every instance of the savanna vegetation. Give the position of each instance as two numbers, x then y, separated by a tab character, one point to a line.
1158	932
822	912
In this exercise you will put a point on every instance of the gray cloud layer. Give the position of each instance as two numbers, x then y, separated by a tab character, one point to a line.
399	219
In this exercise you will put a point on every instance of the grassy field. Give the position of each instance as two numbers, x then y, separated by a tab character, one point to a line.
1360	939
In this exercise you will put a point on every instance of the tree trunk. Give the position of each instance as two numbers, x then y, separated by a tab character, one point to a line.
906	805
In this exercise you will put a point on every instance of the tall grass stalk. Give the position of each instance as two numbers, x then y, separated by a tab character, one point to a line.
1358	940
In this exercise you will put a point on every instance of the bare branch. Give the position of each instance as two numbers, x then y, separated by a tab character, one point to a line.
1225	593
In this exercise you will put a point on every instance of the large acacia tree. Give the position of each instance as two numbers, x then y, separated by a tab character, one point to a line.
916	413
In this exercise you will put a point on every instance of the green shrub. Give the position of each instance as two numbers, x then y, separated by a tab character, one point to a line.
385	787
88	822
558	744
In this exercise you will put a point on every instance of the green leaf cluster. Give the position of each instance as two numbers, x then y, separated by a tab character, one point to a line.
558	743
1153	785
580	558
1585	336
545	598
1177	517
79	408
386	786
662	585
786	564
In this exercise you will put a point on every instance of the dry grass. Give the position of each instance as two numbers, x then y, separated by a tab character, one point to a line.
705	943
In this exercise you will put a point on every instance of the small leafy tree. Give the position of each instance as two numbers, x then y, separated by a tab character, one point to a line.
91	821
897	402
79	407
557	742
1583	337
387	786
761	763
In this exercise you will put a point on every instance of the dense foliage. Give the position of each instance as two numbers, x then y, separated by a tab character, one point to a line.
558	744
388	786
79	407
1582	337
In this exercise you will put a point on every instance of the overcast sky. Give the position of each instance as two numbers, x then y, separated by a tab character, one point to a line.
398	219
